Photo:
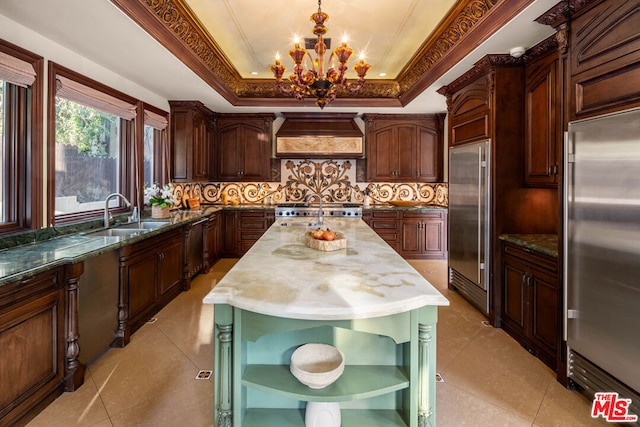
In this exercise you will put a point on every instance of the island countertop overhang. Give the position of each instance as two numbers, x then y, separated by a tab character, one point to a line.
280	276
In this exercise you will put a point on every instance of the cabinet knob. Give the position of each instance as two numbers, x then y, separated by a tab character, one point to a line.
418	173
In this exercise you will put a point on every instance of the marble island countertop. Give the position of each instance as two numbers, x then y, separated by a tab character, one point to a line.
282	277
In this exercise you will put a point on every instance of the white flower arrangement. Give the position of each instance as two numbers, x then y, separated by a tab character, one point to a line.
160	196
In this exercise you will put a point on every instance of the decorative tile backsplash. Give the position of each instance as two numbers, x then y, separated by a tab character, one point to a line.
303	180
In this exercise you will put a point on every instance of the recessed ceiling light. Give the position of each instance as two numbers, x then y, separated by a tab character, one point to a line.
382	74
254	73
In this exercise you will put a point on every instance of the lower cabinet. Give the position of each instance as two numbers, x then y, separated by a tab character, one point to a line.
212	241
151	275
531	306
424	234
32	345
412	233
242	228
385	224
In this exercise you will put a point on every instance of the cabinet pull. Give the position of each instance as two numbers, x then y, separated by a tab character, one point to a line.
27	279
418	173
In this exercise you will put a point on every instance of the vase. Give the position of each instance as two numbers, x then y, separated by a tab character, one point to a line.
158	212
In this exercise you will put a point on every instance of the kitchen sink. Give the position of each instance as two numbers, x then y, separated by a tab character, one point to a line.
144	225
119	232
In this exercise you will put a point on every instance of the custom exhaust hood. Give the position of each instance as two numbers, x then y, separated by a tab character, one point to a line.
316	135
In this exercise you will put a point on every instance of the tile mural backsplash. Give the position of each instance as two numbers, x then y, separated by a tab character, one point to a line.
305	180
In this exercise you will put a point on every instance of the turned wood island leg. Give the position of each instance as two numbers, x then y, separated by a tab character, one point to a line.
425	377
223	408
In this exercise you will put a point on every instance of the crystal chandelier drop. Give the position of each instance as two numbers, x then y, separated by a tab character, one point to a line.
315	81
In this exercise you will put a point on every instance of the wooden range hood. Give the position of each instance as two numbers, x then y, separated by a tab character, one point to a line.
319	135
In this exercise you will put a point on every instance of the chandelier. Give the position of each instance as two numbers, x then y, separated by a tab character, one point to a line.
315	81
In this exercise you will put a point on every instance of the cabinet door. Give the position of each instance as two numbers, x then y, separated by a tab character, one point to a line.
544	312
542	131
32	339
383	155
229	153
255	155
435	238
427	168
229	243
406	153
515	286
141	276
412	237
171	262
201	148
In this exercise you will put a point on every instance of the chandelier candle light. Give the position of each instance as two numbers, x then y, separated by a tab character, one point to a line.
314	81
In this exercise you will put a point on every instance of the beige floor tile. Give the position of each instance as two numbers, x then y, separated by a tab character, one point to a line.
495	368
554	409
143	370
456	407
187	403
80	408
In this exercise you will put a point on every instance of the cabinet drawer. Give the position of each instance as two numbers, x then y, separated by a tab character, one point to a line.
422	214
379	225
252	224
532	257
251	235
384	214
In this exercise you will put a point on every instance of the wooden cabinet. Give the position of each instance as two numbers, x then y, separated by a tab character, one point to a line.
543	122
413	234
192	127
424	234
531	306
244	147
212	241
32	339
151	275
604	58
242	228
404	147
386	224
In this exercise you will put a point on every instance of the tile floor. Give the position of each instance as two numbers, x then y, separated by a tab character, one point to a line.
489	379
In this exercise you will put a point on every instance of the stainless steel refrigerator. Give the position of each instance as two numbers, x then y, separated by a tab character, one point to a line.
602	254
469	167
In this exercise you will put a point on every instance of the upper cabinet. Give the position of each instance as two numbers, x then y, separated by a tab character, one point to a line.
605	58
403	147
543	121
243	147
192	127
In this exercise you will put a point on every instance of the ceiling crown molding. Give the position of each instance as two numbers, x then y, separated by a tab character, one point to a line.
173	25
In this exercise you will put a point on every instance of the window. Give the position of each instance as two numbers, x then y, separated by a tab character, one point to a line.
20	143
155	146
87	157
91	146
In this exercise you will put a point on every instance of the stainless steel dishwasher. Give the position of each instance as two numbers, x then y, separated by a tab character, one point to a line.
195	246
98	305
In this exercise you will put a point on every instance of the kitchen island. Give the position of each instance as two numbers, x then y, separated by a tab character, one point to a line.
365	300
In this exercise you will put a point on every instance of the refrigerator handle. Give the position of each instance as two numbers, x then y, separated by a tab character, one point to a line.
481	184
566	188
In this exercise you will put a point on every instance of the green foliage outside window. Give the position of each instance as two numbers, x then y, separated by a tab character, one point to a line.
84	127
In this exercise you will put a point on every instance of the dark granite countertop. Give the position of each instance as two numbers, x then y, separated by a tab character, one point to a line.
384	206
544	243
25	260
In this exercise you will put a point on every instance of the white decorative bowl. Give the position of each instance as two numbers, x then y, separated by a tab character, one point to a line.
317	365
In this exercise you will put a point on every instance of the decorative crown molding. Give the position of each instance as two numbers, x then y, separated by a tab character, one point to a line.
173	24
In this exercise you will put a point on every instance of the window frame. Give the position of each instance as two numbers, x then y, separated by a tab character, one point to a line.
128	136
161	173
27	198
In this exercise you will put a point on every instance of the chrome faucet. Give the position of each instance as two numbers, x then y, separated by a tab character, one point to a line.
106	206
320	212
